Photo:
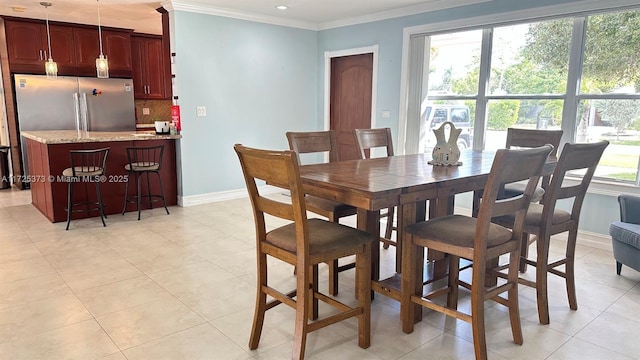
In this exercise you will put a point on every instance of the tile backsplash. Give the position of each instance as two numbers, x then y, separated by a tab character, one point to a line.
158	110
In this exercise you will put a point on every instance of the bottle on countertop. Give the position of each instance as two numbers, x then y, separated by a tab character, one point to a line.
172	129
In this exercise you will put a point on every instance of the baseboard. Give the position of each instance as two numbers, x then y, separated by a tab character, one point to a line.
222	196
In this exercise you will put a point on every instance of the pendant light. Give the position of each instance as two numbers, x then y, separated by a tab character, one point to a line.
50	67
102	65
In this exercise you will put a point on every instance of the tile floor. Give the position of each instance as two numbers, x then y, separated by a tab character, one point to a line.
182	287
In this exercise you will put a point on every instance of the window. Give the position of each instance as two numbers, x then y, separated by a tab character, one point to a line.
579	74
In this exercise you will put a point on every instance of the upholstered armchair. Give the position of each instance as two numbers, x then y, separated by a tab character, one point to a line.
625	234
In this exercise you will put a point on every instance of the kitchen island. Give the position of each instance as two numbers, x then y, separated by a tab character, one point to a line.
48	154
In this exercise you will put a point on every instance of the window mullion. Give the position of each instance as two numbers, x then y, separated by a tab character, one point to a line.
480	123
576	56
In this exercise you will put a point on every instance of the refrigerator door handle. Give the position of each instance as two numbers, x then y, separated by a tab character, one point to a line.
76	108
84	112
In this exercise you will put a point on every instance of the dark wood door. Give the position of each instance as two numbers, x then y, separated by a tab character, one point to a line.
350	100
137	67
149	77
24	43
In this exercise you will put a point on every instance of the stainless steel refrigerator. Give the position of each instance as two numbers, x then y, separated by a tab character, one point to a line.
73	103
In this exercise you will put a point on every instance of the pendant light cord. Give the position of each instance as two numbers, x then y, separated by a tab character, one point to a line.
99	28
46	11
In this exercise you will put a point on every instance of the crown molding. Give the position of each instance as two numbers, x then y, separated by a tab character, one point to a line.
173	5
430	6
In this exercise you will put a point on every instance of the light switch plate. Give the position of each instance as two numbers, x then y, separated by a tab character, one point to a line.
201	111
386	113
145	111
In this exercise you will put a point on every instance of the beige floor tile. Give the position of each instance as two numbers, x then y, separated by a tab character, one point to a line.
105	299
16	252
614	333
446	346
80	341
90	275
32	289
24	269
576	349
199	342
23	321
148	322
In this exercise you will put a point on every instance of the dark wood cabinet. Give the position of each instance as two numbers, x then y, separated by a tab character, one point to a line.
74	47
25	43
28	48
117	47
149	75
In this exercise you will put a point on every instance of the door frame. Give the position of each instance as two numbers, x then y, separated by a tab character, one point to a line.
328	55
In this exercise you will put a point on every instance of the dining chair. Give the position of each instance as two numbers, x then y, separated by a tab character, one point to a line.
522	139
303	243
87	166
546	219
323	142
367	140
476	239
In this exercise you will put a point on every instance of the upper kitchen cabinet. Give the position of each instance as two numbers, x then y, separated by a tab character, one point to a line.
116	46
28	48
74	47
149	74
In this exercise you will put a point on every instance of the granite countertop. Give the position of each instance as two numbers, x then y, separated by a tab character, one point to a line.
73	136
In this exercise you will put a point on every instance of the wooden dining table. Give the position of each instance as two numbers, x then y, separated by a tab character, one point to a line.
405	181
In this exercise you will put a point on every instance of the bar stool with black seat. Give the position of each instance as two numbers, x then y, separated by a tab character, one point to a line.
87	166
323	142
144	161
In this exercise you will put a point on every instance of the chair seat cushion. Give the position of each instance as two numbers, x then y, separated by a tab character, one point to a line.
517	188
457	230
83	171
626	233
324	237
325	205
534	216
142	166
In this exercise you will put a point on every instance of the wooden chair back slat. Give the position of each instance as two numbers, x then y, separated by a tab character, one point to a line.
367	139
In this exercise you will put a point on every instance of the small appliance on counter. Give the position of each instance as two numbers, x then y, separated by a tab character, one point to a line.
162	127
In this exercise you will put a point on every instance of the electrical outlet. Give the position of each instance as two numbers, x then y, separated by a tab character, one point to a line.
201	111
145	111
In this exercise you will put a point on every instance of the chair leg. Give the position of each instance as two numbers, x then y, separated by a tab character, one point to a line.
570	270
261	302
541	279
524	252
389	227
164	202
618	267
412	263
100	204
70	203
313	301
149	190
333	277
514	307
126	194
477	312
363	281
139	196
454	272
303	292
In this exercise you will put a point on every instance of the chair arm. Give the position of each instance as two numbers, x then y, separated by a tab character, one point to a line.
629	208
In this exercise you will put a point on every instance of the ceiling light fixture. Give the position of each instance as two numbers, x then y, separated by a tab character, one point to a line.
102	65
282	7
50	66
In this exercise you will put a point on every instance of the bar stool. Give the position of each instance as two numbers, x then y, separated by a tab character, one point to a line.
143	161
87	166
